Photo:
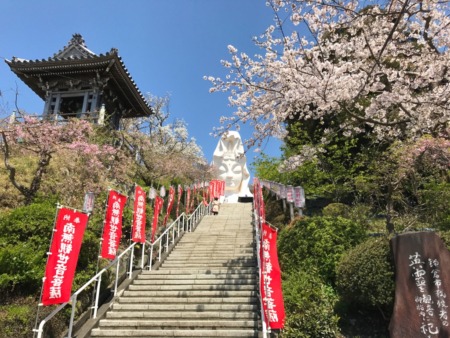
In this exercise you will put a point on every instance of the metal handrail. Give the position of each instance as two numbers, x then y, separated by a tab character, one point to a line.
73	299
257	222
181	225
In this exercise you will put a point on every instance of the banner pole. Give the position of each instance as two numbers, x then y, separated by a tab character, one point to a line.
58	206
94	290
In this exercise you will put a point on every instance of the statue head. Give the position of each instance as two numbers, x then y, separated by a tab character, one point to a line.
230	161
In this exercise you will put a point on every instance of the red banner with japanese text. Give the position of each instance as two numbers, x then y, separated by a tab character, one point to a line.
262	206
270	283
169	204
180	192
64	250
188	199
222	188
112	231
194	194
211	188
205	195
156	211
139	217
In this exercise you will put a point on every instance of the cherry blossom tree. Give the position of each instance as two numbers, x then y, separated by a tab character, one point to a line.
44	141
382	66
164	150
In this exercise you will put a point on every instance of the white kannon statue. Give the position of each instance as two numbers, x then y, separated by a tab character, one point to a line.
230	161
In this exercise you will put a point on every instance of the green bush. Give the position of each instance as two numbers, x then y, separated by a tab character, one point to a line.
318	242
309	305
436	198
25	236
15	320
336	209
31	224
365	274
24	240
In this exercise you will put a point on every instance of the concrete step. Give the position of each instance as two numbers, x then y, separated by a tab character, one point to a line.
211	254
194	282
211	265
185	315
189	293
199	271
205	261
216	249
189	300
174	333
196	287
144	324
184	307
225	277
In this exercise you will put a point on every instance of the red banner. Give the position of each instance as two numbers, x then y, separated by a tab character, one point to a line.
169	204
64	250
205	196
222	188
156	211
216	189
271	279
139	217
262	206
112	232
211	188
180	192
188	199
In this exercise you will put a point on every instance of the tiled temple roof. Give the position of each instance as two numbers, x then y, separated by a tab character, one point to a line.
76	59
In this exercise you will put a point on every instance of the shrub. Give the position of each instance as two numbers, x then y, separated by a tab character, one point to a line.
309	305
25	236
336	209
24	239
15	320
30	224
365	274
318	242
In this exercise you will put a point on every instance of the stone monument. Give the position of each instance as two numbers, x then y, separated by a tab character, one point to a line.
231	165
422	286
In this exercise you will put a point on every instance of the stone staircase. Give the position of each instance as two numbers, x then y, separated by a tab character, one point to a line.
205	288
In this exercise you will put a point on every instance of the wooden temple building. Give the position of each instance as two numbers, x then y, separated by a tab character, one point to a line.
76	82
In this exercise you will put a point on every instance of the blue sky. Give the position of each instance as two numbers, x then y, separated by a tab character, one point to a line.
166	45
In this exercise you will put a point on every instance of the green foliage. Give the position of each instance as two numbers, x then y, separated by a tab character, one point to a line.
318	242
15	321
336	209
24	239
25	236
436	198
266	168
309	305
32	224
365	274
339	164
445	236
21	266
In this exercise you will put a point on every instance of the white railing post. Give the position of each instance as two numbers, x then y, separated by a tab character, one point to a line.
97	296
72	315
160	247
130	273
117	277
150	258
142	256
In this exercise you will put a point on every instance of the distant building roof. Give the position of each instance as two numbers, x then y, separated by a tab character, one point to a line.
74	61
